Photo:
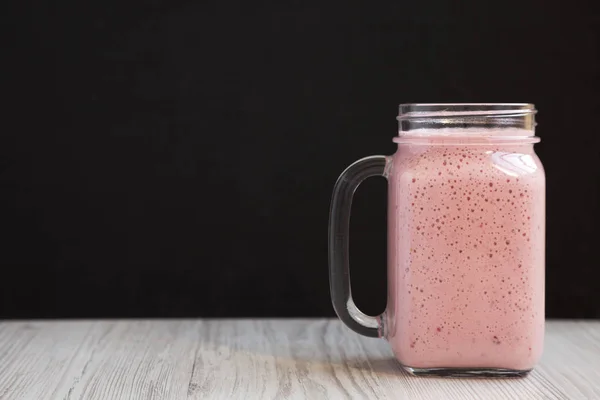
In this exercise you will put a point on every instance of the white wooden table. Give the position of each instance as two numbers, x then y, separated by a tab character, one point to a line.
259	359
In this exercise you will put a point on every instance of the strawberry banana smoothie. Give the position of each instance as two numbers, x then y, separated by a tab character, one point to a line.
466	254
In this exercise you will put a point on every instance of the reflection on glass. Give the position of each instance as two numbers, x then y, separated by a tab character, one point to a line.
513	164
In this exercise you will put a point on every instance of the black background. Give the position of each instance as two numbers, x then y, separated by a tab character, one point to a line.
176	158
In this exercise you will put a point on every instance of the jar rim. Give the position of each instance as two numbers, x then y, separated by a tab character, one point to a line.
431	110
482	120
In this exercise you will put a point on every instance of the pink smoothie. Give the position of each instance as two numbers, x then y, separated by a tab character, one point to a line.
466	254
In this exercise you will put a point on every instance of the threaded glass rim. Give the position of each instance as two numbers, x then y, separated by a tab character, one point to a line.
428	110
467	119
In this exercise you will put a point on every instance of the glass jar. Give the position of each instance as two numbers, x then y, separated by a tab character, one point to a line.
466	234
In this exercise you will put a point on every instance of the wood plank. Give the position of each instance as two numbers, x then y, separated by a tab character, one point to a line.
571	358
259	359
140	360
102	360
33	356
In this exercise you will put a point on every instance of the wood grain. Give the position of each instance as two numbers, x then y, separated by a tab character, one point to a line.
260	359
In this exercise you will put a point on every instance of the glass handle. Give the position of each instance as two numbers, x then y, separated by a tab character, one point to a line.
339	229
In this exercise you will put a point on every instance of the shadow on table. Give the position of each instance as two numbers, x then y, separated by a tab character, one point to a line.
377	365
316	346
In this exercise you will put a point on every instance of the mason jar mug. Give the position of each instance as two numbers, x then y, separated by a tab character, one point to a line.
466	227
